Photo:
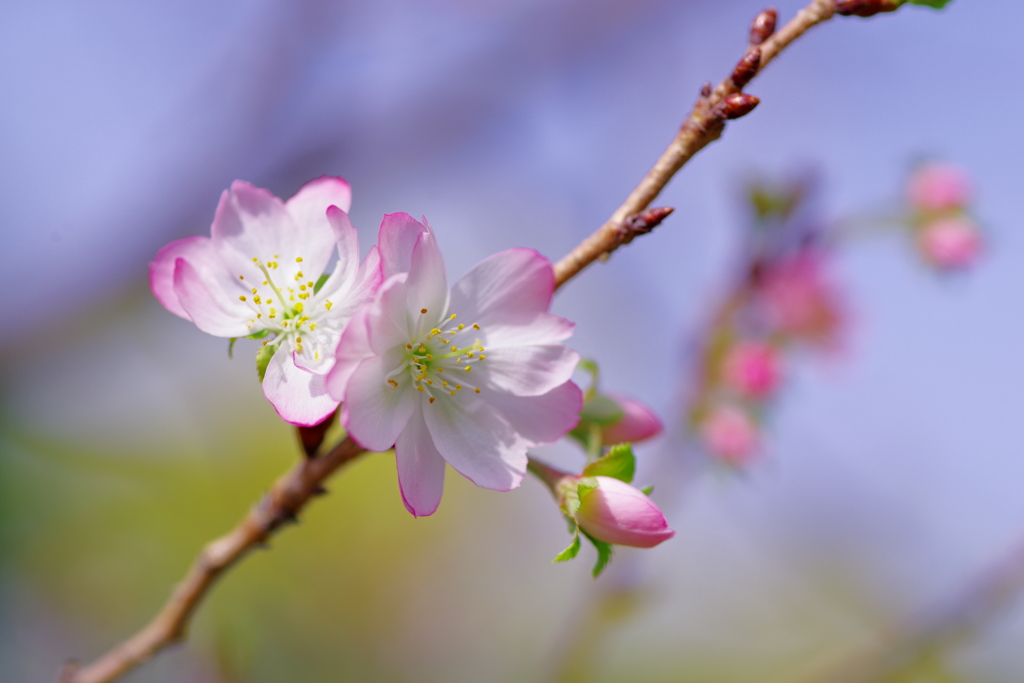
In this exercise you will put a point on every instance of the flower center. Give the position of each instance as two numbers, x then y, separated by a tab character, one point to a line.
288	307
440	362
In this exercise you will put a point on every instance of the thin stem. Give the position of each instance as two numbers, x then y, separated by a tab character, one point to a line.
704	125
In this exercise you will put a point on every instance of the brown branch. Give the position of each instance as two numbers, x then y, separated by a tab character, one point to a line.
280	505
704	125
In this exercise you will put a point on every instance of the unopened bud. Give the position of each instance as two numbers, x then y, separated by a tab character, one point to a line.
950	243
638	422
730	434
939	187
747	67
763	26
866	8
751	369
705	90
740	104
618	513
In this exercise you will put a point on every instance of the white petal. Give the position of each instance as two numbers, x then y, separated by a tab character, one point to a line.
540	419
420	467
375	413
298	396
526	370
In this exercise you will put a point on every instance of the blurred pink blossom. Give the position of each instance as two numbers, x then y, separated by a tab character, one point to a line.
800	302
618	513
939	187
637	424
752	369
730	433
950	243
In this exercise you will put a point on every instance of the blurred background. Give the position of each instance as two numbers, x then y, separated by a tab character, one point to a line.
892	475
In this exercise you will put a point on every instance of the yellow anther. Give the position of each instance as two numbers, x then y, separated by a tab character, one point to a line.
265	343
431	399
444	384
459	387
435	331
284	324
328	304
408	346
302	287
277	256
469	355
299	276
299	347
241	277
481	357
298	259
429	357
454	348
451	317
270	301
477	390
242	298
461	326
423	310
309	284
264	282
468	368
440	369
446	341
259	315
393	383
299	307
255	260
291	298
452	393
254	290
312	326
419	377
420	388
298	340
430	381
475	326
304	296
256	299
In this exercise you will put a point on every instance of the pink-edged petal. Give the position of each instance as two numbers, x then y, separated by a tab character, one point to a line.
348	247
511	284
474	438
352	350
540	419
252	222
308	205
197	249
375	413
349	296
537	329
427	284
420	467
526	370
387	319
210	308
298	396
318	352
397	237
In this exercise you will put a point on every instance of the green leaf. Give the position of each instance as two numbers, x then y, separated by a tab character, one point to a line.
258	335
231	347
590	367
619	463
585	486
570	552
604	554
263	356
320	283
255	335
937	4
602	410
647	490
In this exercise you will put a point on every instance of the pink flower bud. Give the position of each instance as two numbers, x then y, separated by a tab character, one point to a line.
939	187
752	369
730	434
950	243
615	512
800	301
637	424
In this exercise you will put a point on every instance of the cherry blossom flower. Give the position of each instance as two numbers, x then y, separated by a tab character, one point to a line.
638	422
751	368
730	434
800	301
258	274
473	376
616	512
950	243
939	187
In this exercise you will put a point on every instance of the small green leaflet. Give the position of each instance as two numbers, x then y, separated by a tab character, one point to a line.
585	486
647	490
320	283
937	4
604	554
570	552
602	410
258	335
263	356
619	463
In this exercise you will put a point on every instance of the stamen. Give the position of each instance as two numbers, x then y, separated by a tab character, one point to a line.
431	399
423	310
241	298
468	368
475	326
328	304
477	390
420	388
298	259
